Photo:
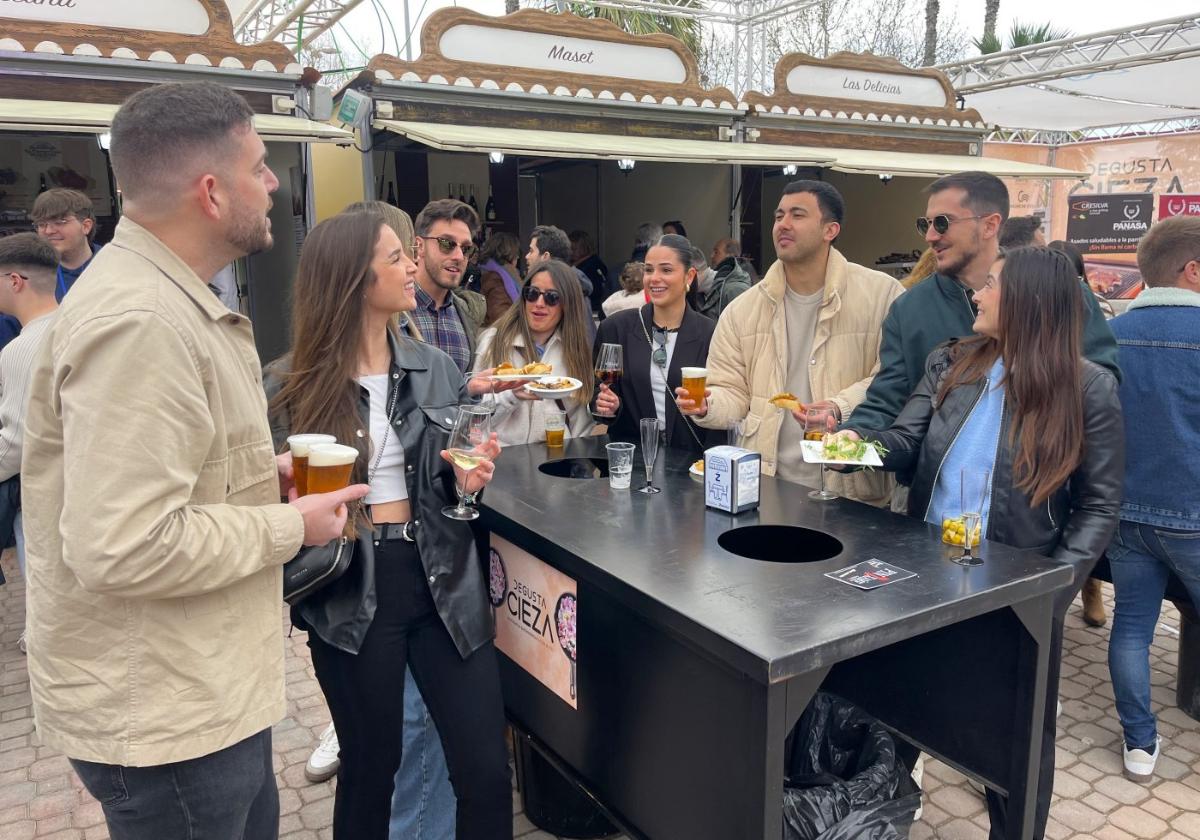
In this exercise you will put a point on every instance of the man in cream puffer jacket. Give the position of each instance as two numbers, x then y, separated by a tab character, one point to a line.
811	327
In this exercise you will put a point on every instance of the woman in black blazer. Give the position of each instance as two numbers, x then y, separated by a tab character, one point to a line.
658	340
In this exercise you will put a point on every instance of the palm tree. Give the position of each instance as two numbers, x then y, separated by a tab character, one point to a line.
991	9
686	29
1022	35
932	8
511	6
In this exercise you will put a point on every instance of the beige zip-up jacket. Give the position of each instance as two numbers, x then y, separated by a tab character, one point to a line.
153	527
748	361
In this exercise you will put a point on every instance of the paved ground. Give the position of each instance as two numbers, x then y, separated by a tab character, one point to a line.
40	796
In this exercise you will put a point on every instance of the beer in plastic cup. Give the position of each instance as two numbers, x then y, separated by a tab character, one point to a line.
330	466
299	445
694	380
556	426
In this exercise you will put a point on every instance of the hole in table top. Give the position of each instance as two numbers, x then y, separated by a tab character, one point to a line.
576	468
780	543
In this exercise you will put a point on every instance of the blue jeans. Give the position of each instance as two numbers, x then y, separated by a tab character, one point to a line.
423	805
19	536
227	794
1141	558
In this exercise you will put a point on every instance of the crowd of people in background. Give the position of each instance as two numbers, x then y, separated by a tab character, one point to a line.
164	491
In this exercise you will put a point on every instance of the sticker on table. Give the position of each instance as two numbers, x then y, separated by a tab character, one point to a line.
870	574
536	608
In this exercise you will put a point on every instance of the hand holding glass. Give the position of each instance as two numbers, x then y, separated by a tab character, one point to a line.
467	450
299	445
609	365
819	422
329	467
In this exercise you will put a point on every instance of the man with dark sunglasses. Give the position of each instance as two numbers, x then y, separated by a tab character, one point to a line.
448	316
962	223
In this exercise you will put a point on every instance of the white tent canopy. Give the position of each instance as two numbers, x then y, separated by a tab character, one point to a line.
1129	76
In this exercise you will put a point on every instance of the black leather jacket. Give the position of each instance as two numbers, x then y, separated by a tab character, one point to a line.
430	388
1075	524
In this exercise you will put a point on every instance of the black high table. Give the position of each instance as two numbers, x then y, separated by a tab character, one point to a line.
694	663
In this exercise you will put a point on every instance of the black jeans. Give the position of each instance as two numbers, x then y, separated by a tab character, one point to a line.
365	693
226	795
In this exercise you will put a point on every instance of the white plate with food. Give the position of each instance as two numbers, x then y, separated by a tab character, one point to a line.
554	387
697	468
519	377
841	450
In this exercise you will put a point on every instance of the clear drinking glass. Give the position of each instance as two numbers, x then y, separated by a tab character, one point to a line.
620	464
819	422
555	421
974	485
609	365
651	430
472	428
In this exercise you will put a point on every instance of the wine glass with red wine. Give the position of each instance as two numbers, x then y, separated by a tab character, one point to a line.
609	365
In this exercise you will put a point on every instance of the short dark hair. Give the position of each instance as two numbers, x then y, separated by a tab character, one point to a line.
829	200
161	129
1072	253
681	246
1167	247
501	246
986	194
631	277
59	202
583	241
446	210
553	241
1018	231
32	256
680	230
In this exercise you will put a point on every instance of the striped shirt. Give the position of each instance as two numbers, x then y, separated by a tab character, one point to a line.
16	365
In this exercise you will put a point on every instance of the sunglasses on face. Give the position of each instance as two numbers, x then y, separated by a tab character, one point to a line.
447	244
940	223
532	293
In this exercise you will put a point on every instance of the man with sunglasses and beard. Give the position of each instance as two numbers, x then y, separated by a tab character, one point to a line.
964	216
448	316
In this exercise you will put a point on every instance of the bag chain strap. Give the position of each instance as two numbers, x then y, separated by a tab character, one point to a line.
687	421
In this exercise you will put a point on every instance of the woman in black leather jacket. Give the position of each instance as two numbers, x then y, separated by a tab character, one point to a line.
1019	400
415	592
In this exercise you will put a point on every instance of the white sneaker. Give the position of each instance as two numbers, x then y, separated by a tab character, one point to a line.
323	763
1139	764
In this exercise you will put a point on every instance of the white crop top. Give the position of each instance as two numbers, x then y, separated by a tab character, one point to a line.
388	484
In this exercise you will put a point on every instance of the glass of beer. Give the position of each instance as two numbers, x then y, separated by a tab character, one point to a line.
694	380
299	445
330	466
556	426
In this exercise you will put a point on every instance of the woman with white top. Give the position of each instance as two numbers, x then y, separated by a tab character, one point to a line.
547	325
658	340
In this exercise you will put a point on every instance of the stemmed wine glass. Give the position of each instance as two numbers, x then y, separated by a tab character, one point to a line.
819	422
472	429
650	428
609	365
974	488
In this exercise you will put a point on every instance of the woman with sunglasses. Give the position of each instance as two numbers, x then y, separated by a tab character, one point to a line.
414	594
1018	401
547	325
657	341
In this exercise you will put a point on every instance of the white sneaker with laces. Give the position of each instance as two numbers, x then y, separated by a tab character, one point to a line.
1139	763
323	763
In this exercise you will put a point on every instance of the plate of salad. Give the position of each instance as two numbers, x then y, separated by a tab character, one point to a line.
838	449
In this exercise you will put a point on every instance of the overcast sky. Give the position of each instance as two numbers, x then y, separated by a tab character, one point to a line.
1079	16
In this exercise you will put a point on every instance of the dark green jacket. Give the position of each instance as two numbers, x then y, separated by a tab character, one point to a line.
935	310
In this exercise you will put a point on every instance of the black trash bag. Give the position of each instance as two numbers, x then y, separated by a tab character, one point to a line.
844	781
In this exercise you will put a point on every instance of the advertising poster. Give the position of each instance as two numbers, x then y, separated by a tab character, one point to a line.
536	608
1106	229
1178	205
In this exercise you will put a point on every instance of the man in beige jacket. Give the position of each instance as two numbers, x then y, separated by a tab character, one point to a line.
154	531
811	327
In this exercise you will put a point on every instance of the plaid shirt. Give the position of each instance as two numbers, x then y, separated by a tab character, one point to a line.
443	328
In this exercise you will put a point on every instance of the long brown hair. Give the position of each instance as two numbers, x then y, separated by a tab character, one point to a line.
572	328
320	394
1041	338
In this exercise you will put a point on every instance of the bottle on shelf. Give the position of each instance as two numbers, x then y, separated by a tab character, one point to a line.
450	190
42	187
391	195
471	199
489	210
462	193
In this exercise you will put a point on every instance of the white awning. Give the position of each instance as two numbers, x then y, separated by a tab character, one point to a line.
563	144
96	118
585	146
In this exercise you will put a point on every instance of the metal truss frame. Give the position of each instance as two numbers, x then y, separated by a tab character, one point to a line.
1162	40
295	23
1188	125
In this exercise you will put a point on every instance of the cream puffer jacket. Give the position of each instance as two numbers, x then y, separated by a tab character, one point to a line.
748	363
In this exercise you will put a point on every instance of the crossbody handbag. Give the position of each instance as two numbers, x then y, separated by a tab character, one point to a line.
317	566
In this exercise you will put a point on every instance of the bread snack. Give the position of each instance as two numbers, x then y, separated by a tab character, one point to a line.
556	384
786	401
537	368
505	368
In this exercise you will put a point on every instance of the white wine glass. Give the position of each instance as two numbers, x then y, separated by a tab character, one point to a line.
975	484
472	429
819	422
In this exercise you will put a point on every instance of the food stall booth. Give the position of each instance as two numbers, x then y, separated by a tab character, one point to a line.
65	69
559	120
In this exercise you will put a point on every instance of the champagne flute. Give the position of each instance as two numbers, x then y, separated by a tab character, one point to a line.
609	365
974	487
472	428
819	422
650	435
